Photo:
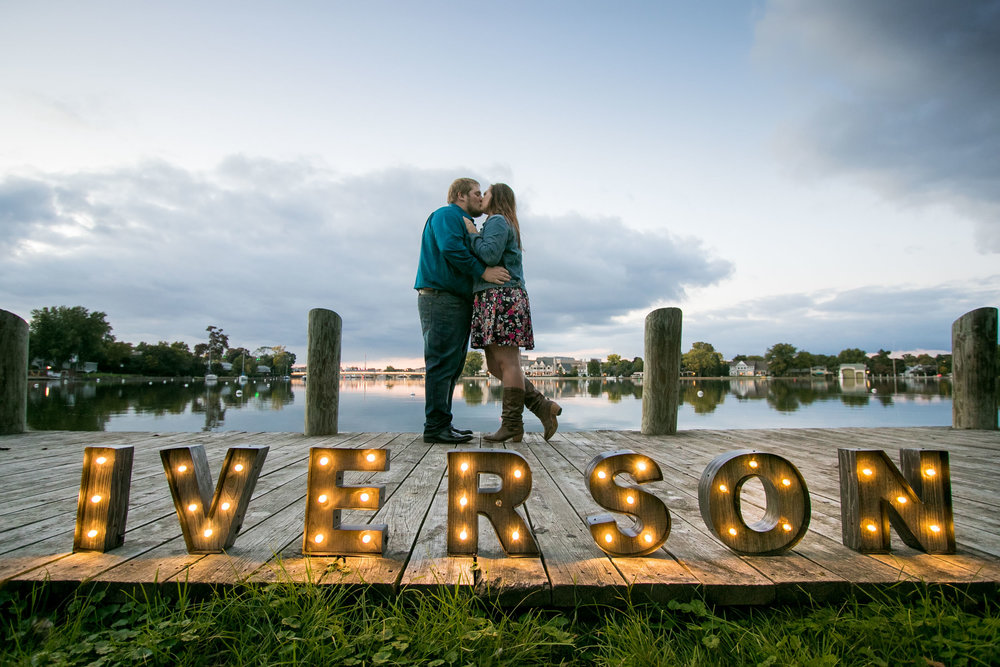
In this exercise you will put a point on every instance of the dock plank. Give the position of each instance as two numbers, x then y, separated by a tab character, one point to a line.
41	473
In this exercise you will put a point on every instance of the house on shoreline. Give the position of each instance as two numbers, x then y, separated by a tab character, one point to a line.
748	369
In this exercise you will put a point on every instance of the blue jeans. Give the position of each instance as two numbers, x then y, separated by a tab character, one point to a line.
445	320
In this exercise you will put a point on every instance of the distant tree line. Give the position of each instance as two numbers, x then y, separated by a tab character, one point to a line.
784	359
70	337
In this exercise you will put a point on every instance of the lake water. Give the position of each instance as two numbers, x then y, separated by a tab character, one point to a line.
398	405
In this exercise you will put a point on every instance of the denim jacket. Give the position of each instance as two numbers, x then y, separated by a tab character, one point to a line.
496	244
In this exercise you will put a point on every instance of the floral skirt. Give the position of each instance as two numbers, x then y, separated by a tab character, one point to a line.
502	316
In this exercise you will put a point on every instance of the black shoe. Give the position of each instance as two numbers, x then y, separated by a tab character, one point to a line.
447	437
461	431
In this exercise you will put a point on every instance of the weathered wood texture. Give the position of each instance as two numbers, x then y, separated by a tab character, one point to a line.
103	504
13	373
974	370
323	358
661	371
41	474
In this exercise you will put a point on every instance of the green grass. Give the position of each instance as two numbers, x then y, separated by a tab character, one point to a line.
306	624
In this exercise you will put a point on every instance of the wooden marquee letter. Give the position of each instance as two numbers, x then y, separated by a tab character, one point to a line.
210	521
102	506
326	496
651	517
467	500
787	511
916	501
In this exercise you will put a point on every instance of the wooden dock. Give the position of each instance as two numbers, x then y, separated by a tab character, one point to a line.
40	477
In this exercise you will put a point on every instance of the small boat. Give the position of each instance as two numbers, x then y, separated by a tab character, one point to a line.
243	379
210	377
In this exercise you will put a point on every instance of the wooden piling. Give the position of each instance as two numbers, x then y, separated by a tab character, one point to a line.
661	372
974	370
323	372
13	374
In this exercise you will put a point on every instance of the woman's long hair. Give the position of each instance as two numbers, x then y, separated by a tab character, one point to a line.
502	202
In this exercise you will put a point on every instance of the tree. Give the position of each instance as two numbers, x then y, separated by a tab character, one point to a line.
612	365
880	363
63	334
779	358
637	365
803	360
218	342
852	355
117	358
473	362
234	354
594	368
167	359
703	360
282	359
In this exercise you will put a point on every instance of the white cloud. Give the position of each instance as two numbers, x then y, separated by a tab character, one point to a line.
899	94
253	245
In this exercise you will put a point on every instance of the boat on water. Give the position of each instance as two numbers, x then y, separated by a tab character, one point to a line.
210	377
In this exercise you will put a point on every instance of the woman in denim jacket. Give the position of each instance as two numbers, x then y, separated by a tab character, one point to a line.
501	316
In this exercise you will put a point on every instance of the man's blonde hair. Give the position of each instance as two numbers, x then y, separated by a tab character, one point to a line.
461	186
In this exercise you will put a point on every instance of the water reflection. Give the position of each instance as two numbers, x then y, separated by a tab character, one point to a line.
397	405
91	406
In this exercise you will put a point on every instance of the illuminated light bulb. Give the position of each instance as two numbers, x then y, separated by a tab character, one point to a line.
723	488
192	507
649	538
607	537
463	501
641	465
318	539
238	467
464	467
787	527
901	500
366	538
732	531
630	500
930	472
463	534
515	535
225	506
95	499
365	497
517	474
786	482
370	458
753	464
601	474
100	460
867	472
182	468
92	533
322	498
208	532
871	528
935	528
323	461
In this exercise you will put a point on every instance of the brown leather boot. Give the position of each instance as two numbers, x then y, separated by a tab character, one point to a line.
546	410
511	424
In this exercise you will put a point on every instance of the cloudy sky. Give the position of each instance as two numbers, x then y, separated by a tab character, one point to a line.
820	174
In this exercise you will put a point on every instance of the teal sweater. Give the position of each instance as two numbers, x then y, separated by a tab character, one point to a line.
446	262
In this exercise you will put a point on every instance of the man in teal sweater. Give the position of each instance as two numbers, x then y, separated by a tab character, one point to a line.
445	276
